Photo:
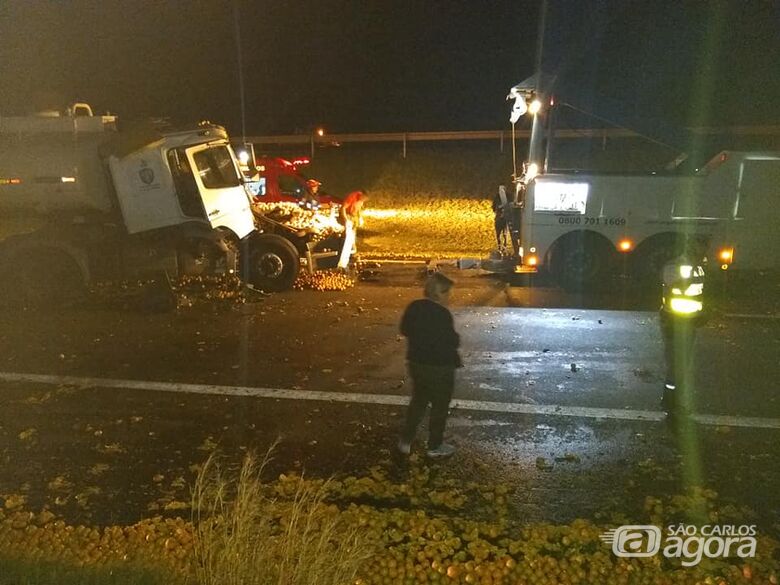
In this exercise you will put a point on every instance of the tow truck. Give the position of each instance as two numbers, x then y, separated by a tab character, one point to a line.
582	227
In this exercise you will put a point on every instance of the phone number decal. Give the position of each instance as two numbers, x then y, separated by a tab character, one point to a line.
608	221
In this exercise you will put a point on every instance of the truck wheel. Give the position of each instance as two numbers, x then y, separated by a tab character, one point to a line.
580	262
650	259
273	263
41	278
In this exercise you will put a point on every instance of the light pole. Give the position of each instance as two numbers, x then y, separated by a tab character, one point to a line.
318	133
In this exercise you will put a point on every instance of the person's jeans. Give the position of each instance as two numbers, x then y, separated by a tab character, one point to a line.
350	235
430	385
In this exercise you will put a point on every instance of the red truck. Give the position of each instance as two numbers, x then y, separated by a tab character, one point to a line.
279	179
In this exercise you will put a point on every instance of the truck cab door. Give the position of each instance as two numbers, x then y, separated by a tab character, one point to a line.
145	190
225	199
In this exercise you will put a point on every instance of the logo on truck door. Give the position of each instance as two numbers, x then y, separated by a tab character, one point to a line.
146	174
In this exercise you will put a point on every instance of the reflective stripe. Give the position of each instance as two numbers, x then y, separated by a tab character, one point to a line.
684	306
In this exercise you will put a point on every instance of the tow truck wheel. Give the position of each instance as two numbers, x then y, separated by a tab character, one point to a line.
273	264
579	262
653	255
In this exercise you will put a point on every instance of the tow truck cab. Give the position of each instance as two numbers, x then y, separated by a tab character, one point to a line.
279	179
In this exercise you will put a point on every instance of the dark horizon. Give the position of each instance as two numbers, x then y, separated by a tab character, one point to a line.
368	66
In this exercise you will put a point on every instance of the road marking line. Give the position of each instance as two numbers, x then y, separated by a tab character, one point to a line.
386	399
751	316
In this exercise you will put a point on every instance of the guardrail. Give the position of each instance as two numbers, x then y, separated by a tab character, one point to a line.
500	136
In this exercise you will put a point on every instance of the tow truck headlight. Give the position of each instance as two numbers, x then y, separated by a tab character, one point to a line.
532	260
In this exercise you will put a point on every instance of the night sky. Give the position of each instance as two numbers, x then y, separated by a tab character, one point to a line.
391	65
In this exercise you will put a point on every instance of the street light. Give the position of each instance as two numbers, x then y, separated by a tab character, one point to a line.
319	133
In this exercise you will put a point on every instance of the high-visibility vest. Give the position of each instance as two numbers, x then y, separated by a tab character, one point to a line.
683	288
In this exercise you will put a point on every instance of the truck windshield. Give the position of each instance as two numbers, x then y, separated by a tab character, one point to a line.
216	168
291	186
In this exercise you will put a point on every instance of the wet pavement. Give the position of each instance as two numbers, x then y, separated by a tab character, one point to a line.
117	451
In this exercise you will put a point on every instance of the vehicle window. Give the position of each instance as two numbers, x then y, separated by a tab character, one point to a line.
291	186
184	181
216	168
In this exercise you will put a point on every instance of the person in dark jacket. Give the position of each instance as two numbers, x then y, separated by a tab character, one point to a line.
499	205
433	357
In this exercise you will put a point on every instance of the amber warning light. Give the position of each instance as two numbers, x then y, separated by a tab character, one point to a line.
726	255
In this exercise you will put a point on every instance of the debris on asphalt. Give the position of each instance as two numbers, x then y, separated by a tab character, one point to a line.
568	458
163	294
543	464
324	280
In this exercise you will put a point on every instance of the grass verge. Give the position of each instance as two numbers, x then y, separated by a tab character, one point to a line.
245	537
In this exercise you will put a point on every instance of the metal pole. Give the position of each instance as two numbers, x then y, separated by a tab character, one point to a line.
550	134
404	144
312	144
501	141
534	147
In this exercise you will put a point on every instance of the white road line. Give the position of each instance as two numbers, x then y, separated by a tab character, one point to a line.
752	316
385	399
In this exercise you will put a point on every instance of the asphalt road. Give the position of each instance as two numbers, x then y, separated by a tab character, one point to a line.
115	406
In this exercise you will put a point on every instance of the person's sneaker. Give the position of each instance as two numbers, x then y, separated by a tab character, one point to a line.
404	448
443	450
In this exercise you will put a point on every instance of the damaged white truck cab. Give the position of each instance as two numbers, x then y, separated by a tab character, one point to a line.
112	205
179	179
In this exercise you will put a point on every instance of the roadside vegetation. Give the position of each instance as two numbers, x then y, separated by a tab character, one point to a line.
433	204
373	529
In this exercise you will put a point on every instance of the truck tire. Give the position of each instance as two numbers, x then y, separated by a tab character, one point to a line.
41	277
650	258
580	261
273	263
